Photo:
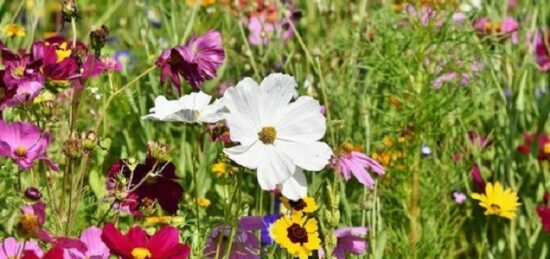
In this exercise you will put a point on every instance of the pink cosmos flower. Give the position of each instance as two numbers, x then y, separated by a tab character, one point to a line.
24	143
351	240
352	161
510	26
541	51
137	244
197	60
95	248
10	248
245	243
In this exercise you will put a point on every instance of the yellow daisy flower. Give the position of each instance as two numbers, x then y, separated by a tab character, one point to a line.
298	235
203	202
307	204
498	201
202	2
222	169
12	29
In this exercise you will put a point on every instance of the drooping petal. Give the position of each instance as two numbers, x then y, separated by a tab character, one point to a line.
247	156
274	167
295	187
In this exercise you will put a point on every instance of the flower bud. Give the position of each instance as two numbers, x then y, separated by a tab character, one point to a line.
72	148
98	38
158	151
33	193
89	140
69	10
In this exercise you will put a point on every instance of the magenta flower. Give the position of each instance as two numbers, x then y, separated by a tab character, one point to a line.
542	54
245	243
137	244
352	161
351	240
24	143
197	60
10	248
111	64
510	26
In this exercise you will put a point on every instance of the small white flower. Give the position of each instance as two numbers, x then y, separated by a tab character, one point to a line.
277	137
191	108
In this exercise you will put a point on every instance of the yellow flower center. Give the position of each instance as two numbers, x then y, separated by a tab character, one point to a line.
21	151
62	52
29	223
18	72
546	148
494	209
141	253
268	135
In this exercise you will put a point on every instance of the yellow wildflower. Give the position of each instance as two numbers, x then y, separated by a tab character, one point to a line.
498	201
12	29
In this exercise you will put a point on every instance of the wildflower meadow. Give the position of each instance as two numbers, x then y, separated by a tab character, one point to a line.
228	129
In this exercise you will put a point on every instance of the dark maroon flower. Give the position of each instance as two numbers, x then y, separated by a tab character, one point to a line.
540	50
151	180
197	60
544	213
137	244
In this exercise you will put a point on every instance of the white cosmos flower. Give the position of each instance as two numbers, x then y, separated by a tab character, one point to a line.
191	108
277	137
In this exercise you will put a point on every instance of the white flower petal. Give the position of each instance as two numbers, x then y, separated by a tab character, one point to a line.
244	100
196	101
240	130
277	91
274	167
312	156
213	113
247	156
164	110
295	187
302	121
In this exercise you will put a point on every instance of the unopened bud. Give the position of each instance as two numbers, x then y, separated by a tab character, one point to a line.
72	148
158	151
98	38
69	10
33	193
89	140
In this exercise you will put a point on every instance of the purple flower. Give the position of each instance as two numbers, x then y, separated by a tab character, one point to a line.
197	60
352	161
24	143
261	30
245	243
10	248
350	240
94	246
268	220
459	197
479	182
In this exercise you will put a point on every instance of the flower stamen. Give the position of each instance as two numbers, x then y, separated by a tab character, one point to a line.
267	135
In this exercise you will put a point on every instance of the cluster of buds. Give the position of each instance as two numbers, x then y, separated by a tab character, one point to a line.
98	38
158	151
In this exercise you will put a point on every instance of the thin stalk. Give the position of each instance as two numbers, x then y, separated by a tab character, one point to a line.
236	222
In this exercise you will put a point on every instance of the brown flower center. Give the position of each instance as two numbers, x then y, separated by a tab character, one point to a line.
29	223
267	135
297	205
21	151
297	234
495	207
